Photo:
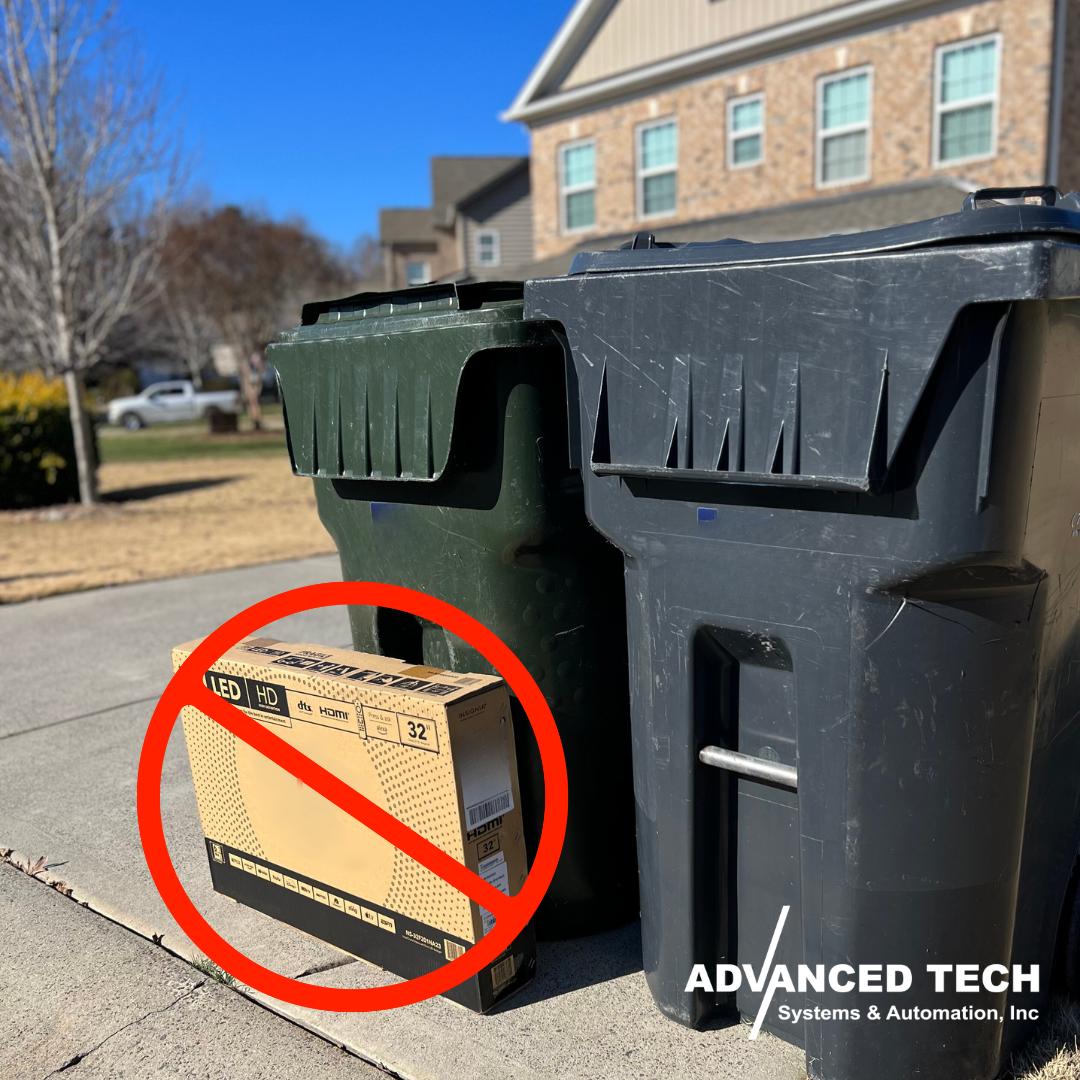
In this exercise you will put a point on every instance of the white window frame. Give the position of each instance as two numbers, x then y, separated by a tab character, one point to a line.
733	135
496	247
574	189
427	272
993	98
641	174
820	135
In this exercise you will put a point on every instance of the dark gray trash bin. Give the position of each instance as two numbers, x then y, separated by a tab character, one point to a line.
845	476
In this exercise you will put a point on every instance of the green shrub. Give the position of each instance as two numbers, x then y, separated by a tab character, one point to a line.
37	448
121	382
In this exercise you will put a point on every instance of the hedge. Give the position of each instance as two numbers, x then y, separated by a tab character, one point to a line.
37	449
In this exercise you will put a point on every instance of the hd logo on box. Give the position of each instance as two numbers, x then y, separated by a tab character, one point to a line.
249	693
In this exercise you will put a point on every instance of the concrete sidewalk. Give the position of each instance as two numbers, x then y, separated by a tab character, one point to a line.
81	676
81	995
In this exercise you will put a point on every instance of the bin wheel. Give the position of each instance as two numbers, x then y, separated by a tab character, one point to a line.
1070	938
131	421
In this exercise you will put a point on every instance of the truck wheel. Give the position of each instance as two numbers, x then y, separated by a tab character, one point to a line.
131	421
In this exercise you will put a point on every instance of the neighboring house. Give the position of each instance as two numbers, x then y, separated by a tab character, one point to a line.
709	118
414	251
479	225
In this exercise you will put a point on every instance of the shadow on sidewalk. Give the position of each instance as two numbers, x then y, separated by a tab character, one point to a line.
565	966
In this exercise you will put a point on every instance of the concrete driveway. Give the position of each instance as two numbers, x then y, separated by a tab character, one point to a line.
80	678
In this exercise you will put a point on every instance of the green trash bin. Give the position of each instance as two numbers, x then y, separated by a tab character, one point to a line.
434	423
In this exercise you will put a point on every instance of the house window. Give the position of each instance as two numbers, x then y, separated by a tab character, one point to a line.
577	185
843	128
966	100
746	130
657	162
487	248
417	272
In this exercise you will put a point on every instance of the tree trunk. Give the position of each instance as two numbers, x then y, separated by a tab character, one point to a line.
251	385
85	458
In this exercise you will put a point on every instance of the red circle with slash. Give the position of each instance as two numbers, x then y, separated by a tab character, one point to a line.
512	913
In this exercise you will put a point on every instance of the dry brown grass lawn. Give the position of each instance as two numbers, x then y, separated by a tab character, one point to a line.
163	519
1054	1052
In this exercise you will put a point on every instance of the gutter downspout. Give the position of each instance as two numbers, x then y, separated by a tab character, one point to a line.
1057	93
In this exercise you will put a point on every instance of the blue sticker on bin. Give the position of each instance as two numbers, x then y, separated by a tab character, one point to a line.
706	513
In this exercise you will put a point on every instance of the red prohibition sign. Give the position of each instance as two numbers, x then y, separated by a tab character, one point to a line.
187	688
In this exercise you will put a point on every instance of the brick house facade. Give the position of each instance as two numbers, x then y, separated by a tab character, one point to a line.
676	111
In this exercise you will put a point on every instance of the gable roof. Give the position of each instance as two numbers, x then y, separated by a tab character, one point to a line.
412	225
709	40
577	29
522	166
456	179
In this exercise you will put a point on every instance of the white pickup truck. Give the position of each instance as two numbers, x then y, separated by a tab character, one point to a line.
171	401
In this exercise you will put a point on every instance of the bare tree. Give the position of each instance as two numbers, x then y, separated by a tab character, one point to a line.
88	167
366	261
235	277
189	334
180	320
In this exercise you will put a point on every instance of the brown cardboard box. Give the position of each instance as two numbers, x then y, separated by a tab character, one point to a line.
433	748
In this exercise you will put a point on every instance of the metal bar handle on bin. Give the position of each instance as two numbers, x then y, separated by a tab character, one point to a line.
758	768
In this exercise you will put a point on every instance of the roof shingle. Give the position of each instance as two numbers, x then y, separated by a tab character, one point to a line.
406	225
453	179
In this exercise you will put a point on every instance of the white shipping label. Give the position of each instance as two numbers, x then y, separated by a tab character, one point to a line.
483	761
494	871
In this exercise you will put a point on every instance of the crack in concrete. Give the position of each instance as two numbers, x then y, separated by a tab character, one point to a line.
83	716
131	1023
330	965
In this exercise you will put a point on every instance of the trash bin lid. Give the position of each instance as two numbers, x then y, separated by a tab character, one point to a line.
987	215
799	363
370	383
426	299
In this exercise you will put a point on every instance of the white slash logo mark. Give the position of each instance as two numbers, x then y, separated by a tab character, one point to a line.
756	983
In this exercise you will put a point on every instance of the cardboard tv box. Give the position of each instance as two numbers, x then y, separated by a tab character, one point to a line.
433	748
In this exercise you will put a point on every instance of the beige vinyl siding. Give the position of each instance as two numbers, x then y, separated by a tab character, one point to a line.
640	32
507	209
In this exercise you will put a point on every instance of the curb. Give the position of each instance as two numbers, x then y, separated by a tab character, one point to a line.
84	899
103	908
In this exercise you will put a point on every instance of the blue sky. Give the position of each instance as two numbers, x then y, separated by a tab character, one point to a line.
331	109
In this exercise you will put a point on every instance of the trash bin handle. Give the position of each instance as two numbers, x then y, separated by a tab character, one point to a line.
758	768
1047	194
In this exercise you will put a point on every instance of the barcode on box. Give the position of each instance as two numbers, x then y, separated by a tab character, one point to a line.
484	811
452	949
467	682
502	972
